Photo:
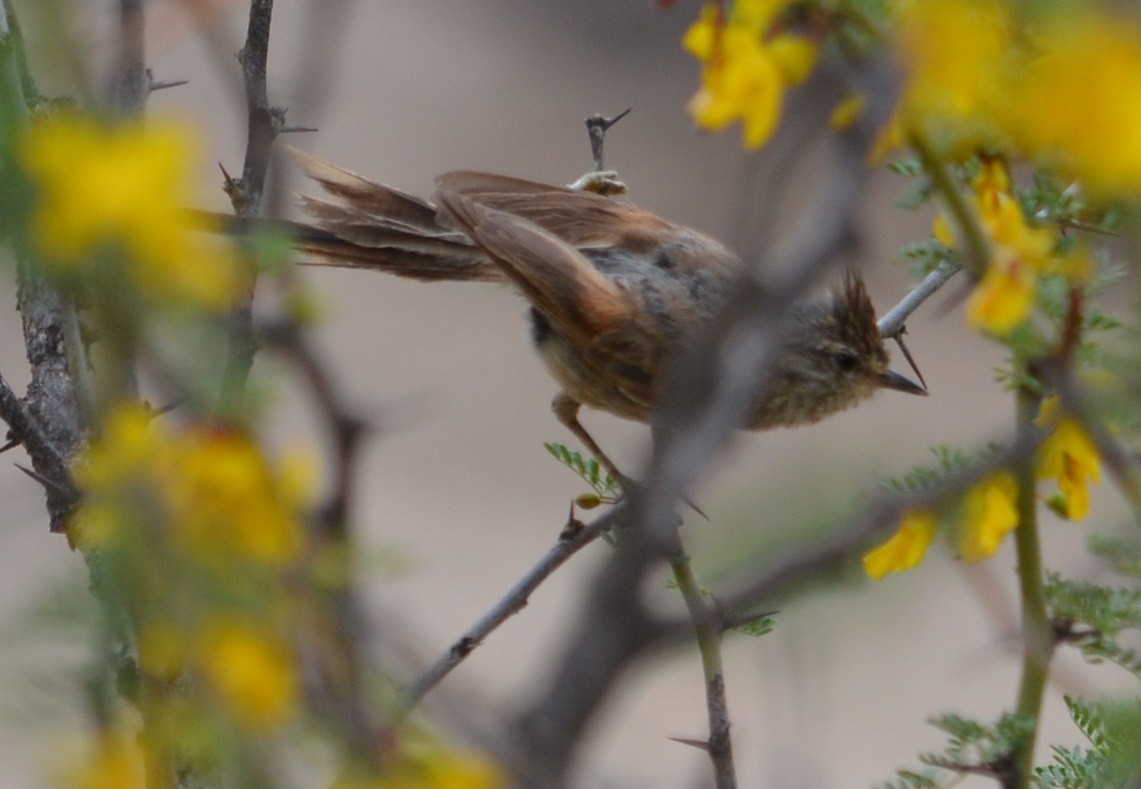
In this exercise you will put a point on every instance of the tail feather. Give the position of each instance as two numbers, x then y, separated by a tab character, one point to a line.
372	226
369	197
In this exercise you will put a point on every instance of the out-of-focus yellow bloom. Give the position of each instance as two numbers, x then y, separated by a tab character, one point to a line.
119	189
848	112
1078	102
1069	456
794	56
1020	254
957	54
115	763
421	761
907	546
210	488
1005	297
991	512
745	71
253	673
223	495
162	650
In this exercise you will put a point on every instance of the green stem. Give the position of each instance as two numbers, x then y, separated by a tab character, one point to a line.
719	746
978	248
1036	630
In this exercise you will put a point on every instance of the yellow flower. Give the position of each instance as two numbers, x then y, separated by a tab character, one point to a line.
848	111
957	55
1069	456
744	73
253	673
223	495
121	188
1008	291
794	56
1078	103
420	761
209	487
116	763
991	512
907	546
1005	297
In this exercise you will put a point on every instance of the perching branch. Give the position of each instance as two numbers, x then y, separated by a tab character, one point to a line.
708	631
574	537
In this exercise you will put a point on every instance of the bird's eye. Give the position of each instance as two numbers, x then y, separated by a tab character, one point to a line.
846	360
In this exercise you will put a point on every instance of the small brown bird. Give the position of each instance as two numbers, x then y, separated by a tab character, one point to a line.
615	292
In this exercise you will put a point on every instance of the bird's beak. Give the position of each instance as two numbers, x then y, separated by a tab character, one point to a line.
901	383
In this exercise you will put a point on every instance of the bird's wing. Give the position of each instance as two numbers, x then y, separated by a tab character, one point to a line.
582	219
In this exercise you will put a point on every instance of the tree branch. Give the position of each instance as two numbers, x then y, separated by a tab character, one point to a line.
262	127
573	538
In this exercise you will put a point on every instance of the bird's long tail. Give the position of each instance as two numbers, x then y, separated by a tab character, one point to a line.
362	224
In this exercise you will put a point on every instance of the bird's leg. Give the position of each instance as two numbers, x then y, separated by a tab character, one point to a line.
600	182
565	409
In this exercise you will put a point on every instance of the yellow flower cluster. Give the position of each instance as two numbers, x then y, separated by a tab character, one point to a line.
1058	89
253	672
1069	456
108	199
208	487
990	510
1020	254
421	761
746	66
989	514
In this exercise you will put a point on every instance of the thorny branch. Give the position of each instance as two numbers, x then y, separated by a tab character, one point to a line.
708	399
574	537
262	126
48	419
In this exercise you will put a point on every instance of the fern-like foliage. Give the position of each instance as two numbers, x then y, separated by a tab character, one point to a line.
605	488
973	748
1092	617
1113	757
949	461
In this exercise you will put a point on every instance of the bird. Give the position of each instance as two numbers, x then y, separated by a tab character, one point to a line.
614	292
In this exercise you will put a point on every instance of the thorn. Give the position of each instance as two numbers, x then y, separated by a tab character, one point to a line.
694	507
12	443
573	525
229	179
47	483
600	121
907	354
701	745
297	129
152	86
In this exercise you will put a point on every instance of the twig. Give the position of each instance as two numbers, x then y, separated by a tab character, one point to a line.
596	127
262	126
1037	631
339	664
708	630
574	537
345	429
891	324
131	82
978	247
50	402
26	430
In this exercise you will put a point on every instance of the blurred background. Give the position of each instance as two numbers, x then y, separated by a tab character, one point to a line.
460	498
